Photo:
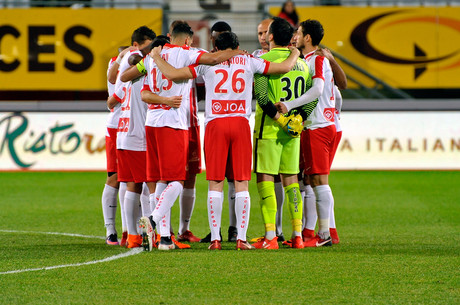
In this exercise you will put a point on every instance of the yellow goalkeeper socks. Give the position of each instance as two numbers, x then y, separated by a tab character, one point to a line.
268	206
294	201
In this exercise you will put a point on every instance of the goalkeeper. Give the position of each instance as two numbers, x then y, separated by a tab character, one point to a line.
277	136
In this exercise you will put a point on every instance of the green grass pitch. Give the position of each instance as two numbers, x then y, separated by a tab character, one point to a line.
400	237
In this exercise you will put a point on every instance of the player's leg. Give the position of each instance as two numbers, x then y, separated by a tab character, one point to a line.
172	164
135	163
293	199
109	207
132	208
152	165
321	141
110	192
332	225
187	203
124	226
145	201
289	168
241	154
242	208
216	147
279	193
309	213
267	157
188	196
232	232
214	203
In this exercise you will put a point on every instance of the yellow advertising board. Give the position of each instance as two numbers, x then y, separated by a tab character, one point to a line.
407	48
65	49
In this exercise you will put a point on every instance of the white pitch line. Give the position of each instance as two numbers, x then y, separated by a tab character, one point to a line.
54	233
107	259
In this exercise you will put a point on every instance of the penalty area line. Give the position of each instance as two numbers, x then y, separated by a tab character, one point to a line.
107	259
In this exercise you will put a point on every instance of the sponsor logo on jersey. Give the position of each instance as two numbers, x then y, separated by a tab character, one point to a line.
228	107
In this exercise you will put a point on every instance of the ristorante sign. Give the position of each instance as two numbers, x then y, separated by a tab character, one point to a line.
370	140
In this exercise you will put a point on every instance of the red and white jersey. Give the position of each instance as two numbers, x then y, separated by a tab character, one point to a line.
131	130
114	115
229	86
156	82
197	82
259	52
323	114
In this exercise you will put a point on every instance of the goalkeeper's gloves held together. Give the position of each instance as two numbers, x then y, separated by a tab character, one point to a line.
292	124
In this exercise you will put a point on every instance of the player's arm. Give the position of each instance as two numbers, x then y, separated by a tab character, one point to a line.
261	95
113	71
292	125
218	57
133	72
338	101
169	71
286	65
152	98
112	101
340	77
310	96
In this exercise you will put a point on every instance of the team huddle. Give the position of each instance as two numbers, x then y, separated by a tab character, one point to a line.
153	143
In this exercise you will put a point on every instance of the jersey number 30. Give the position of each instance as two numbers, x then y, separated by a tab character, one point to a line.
299	88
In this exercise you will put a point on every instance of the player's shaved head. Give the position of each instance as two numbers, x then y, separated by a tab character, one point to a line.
262	29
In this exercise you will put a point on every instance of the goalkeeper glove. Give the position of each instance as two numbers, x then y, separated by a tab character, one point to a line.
292	124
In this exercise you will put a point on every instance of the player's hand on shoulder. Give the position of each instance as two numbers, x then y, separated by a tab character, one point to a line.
126	50
281	107
240	52
155	51
325	53
294	50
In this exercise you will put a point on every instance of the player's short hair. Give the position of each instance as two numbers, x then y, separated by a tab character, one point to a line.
142	34
227	40
174	23
314	28
221	26
161	40
282	31
182	28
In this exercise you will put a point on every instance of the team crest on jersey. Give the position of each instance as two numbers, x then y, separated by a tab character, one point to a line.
329	114
228	107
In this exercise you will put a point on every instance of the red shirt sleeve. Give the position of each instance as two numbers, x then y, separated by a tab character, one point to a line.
319	60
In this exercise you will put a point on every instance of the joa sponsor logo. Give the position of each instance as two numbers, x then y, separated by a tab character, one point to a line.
227	107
